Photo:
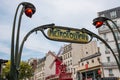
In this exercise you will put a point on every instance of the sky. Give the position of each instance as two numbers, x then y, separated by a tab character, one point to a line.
68	13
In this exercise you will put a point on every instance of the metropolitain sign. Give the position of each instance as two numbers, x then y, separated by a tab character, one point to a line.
67	35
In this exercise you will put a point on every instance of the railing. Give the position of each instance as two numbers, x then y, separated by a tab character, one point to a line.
109	64
90	57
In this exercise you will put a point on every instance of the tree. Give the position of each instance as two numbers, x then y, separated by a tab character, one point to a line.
25	70
6	70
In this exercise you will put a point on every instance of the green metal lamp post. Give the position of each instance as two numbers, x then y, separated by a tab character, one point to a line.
39	28
29	10
98	22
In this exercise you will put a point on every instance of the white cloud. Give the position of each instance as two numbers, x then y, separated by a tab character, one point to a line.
71	13
5	32
4	48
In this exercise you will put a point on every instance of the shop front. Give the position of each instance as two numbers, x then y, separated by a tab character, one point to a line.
52	77
63	76
91	75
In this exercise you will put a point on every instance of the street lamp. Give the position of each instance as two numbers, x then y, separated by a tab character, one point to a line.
29	10
98	22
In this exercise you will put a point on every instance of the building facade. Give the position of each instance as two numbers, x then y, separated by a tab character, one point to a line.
73	53
67	57
39	72
49	67
108	62
89	61
33	63
43	69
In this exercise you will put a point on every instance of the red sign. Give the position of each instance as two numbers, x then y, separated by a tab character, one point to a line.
99	71
86	66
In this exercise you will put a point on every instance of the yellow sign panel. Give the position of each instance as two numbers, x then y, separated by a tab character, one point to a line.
67	35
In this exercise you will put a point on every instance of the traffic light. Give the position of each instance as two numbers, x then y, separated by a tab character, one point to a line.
28	12
98	24
29	9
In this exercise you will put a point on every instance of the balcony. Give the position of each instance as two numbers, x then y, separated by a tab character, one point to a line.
109	64
90	57
114	50
111	74
103	29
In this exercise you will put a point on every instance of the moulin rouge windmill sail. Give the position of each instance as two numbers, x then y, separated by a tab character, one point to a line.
57	61
60	68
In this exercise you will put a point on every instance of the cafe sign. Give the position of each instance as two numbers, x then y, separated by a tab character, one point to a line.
67	35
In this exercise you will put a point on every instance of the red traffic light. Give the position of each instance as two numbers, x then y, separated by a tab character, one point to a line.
29	12
98	24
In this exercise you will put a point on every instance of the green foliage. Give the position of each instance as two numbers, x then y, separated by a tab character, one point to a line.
6	69
25	70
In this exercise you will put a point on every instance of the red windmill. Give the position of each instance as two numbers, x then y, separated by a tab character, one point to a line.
60	71
57	61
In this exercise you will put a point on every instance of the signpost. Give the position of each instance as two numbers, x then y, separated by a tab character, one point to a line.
67	35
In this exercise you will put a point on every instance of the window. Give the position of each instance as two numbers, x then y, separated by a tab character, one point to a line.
102	15
70	62
74	70
113	14
107	50
68	70
82	64
86	52
66	64
119	45
64	49
92	61
70	54
105	37
98	60
64	56
110	72
69	47
108	59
